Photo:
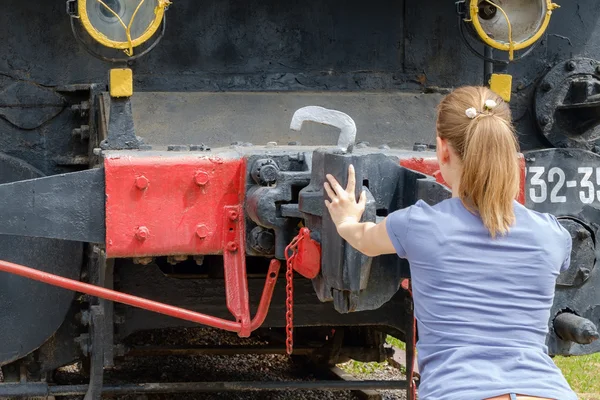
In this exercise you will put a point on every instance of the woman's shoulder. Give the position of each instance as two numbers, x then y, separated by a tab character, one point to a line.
441	206
526	214
541	223
422	211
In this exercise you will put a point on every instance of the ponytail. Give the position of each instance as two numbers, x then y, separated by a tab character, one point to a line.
488	148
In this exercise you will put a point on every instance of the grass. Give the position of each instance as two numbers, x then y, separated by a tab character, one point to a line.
395	342
582	373
360	368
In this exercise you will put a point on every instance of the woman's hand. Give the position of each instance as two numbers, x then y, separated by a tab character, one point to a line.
342	205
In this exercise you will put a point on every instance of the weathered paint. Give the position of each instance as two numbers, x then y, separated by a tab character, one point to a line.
180	209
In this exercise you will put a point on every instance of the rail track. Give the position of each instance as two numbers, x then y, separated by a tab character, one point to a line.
221	366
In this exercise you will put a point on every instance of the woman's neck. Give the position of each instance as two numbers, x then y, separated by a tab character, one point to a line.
456	187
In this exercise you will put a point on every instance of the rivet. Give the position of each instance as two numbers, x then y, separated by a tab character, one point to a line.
142	233
201	178
199	260
545	120
571	66
202	231
141	182
582	234
547	86
232	247
174	260
233	215
143	260
585	272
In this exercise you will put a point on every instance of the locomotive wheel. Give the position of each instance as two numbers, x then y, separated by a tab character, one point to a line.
30	312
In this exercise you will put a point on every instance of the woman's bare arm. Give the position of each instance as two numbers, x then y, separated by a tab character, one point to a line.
368	238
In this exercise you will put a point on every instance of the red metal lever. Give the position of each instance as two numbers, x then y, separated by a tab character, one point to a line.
150	305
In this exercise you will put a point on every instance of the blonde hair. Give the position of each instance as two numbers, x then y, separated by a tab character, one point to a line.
488	148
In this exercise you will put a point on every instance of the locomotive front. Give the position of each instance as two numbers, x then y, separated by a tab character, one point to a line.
179	169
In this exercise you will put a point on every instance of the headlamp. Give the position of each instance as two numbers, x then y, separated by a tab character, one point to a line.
508	25
120	24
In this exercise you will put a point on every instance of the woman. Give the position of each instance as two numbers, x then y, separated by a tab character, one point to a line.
483	266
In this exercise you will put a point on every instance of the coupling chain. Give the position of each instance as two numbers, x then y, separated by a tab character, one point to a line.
291	251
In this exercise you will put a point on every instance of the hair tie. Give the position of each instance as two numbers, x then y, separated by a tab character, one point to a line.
490	105
472	112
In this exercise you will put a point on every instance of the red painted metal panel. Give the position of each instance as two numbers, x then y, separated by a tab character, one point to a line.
170	204
427	166
521	197
430	166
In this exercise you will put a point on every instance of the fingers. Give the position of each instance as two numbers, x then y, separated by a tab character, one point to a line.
351	180
329	191
362	202
335	185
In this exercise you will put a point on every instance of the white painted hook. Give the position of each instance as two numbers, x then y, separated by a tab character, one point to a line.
325	116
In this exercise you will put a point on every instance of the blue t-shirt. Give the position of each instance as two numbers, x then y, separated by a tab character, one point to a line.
482	305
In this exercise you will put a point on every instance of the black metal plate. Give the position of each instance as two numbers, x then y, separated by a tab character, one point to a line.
562	182
30	312
566	183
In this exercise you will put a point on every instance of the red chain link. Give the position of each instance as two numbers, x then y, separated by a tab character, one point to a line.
290	256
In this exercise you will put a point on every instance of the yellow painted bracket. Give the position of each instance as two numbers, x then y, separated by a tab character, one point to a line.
501	84
121	82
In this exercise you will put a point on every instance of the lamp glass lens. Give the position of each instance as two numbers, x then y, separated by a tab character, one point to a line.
526	18
107	23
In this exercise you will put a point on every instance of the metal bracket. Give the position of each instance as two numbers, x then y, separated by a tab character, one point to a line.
94	391
72	8
121	131
461	8
66	206
234	261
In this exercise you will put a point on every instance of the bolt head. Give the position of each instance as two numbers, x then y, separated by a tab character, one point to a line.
233	215
201	178
141	182
582	234
202	231
571	66
547	86
545	120
269	174
266	240
232	247
143	260
142	233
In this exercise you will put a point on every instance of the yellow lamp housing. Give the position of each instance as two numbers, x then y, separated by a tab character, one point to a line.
509	25
122	24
